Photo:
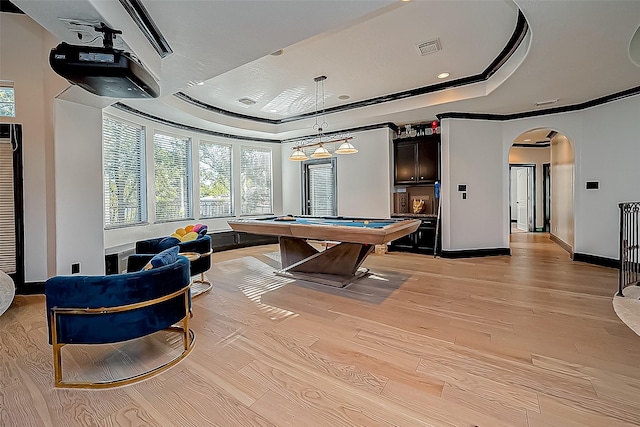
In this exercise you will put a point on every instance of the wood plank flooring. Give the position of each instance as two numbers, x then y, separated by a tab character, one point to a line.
529	340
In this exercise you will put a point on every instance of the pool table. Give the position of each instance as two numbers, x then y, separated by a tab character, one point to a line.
337	265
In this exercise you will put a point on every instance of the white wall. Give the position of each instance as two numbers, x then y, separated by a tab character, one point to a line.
24	49
474	154
562	189
533	156
363	179
608	153
78	188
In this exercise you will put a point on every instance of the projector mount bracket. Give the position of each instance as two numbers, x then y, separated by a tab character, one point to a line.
108	34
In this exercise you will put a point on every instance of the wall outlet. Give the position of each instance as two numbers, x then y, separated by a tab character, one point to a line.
75	268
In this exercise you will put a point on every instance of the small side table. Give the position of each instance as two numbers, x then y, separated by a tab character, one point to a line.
7	291
198	287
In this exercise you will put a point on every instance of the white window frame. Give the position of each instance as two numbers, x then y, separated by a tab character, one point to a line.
231	209
187	192
142	190
243	211
6	84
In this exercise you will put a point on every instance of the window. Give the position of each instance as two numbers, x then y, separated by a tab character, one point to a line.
320	187
8	251
7	99
123	172
255	181
172	160
215	180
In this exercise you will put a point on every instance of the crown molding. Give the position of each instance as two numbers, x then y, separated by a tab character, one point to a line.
519	33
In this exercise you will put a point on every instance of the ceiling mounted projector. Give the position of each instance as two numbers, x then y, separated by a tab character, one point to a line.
103	71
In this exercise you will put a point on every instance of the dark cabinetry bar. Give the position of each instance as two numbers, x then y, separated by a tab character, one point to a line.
423	240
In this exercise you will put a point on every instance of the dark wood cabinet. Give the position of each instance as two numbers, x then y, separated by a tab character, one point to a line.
405	161
423	240
417	161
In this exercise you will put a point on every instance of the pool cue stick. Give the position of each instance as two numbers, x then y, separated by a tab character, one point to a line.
435	243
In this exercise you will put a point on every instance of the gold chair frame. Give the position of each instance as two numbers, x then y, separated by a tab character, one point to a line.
188	338
201	285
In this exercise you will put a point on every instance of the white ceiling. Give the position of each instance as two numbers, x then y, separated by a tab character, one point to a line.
576	51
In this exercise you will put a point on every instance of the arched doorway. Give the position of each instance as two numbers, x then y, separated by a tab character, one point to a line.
541	185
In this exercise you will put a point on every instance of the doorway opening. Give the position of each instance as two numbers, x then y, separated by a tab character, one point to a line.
522	184
546	201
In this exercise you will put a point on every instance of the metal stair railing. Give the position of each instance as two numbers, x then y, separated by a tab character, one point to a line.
629	265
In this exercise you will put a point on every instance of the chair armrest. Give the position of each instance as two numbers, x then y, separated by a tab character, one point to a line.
201	245
136	262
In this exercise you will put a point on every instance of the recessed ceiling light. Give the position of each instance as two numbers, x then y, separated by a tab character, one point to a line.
199	83
344	97
277	52
273	111
443	75
527	140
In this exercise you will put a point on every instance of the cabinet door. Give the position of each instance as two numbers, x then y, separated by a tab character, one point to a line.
406	243
428	161
405	162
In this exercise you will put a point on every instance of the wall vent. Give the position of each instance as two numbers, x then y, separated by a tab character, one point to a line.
549	102
428	47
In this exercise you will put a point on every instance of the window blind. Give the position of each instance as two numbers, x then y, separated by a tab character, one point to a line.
123	169
7	209
256	181
172	162
322	191
215	180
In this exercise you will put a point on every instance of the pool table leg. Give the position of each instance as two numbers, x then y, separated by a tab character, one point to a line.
342	260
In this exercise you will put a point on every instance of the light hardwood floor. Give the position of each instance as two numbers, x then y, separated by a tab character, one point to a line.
527	340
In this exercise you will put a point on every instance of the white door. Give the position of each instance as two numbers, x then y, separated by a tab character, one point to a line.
522	197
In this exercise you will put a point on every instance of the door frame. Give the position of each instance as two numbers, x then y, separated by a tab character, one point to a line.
531	202
546	197
305	183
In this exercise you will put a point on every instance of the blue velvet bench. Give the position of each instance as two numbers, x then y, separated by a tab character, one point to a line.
116	308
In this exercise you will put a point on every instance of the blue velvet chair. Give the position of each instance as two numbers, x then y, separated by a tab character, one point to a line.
200	263
118	307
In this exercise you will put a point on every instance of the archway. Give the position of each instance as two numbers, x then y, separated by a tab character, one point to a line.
546	159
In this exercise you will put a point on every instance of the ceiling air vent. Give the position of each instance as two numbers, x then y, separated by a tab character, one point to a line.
246	101
428	47
544	103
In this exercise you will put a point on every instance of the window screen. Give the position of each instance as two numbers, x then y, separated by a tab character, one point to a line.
215	180
255	181
172	160
123	173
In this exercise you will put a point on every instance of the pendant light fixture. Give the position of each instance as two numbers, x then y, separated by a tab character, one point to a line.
320	140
